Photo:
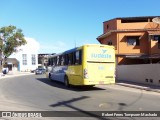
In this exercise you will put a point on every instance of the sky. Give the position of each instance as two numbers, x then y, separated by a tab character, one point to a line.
59	25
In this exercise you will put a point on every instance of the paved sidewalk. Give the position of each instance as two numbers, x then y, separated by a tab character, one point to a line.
139	86
14	74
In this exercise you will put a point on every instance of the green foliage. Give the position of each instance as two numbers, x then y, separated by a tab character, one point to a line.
10	39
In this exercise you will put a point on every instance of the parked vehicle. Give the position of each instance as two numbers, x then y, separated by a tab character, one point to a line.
5	70
40	71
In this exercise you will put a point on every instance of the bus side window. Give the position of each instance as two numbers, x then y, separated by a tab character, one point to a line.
78	57
62	60
66	59
70	59
49	61
55	61
74	58
52	61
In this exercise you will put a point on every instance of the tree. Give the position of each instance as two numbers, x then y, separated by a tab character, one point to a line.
10	39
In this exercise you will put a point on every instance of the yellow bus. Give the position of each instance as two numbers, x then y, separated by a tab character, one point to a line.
91	64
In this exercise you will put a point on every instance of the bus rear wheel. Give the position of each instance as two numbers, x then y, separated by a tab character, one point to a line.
66	82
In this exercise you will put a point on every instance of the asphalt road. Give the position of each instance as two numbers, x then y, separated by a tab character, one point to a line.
35	92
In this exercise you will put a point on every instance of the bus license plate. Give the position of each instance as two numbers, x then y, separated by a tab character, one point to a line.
101	82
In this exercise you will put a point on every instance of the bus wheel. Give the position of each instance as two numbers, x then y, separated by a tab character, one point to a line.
66	82
50	76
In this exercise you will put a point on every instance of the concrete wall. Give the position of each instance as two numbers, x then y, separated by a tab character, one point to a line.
29	65
30	48
109	25
140	73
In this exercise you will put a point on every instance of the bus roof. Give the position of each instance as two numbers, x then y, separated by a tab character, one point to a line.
70	51
74	49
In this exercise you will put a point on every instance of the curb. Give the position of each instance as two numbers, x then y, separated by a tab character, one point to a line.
138	87
10	76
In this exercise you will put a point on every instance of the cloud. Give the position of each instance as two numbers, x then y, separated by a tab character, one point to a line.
32	45
53	47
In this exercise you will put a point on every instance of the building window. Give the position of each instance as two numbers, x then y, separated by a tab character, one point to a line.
24	59
107	26
156	38
133	41
109	42
33	59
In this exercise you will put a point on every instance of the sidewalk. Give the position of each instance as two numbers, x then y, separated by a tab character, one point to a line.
139	86
14	74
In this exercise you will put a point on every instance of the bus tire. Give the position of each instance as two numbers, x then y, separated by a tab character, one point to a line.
49	76
66	82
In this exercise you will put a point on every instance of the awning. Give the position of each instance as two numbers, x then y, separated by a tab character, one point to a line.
104	35
138	36
12	60
154	32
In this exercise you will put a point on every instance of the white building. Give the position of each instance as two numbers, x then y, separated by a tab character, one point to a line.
26	58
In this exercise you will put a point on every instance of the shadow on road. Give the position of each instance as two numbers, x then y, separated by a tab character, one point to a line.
123	106
62	86
78	112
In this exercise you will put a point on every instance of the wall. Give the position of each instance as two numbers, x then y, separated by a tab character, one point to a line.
126	49
136	25
140	73
154	46
29	65
109	25
30	48
111	38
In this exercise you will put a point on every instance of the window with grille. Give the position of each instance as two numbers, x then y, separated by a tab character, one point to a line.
133	41
24	59
33	59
